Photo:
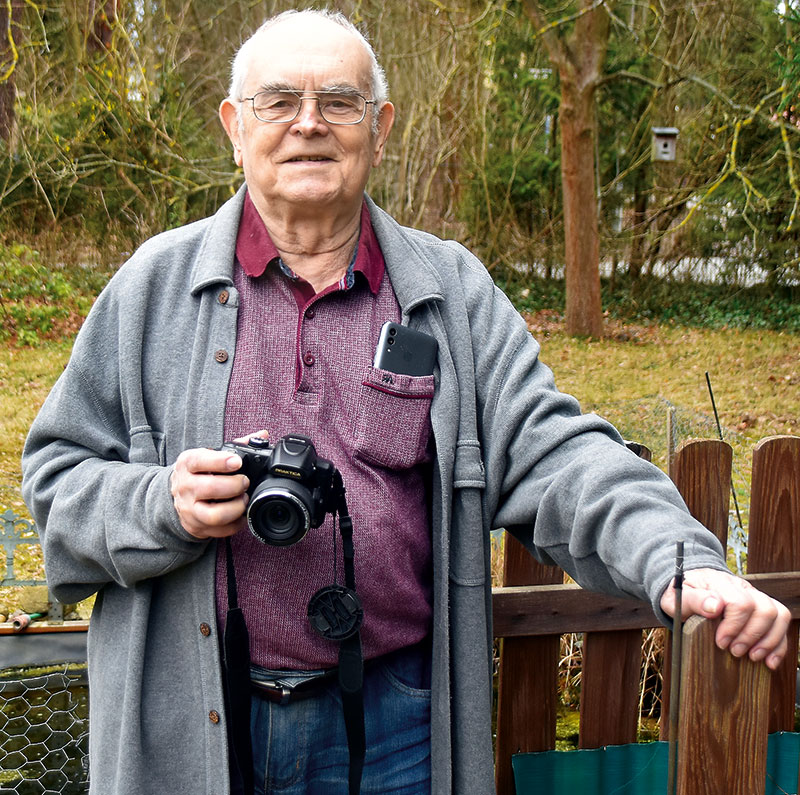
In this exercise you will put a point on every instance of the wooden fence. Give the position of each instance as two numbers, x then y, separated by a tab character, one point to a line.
720	705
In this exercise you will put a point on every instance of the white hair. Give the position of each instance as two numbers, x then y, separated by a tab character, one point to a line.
241	61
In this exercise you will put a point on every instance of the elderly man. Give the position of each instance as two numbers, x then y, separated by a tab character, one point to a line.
264	320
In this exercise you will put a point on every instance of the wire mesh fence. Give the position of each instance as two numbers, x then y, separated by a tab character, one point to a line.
44	709
44	731
660	424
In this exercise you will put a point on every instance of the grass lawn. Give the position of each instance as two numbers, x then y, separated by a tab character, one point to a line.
26	375
634	375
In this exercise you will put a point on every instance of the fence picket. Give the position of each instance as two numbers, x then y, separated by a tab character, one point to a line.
701	471
722	738
610	671
774	546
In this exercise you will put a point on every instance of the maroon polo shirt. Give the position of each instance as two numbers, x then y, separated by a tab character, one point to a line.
303	364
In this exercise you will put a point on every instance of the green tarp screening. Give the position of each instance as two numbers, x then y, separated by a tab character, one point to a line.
639	769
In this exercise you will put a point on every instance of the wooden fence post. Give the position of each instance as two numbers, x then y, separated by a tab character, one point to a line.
527	692
722	738
774	545
701	471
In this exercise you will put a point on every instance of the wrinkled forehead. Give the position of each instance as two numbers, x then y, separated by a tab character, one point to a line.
310	54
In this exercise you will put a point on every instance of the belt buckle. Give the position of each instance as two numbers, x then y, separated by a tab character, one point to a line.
285	692
281	690
284	689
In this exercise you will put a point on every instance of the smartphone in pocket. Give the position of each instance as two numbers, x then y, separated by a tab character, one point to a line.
405	350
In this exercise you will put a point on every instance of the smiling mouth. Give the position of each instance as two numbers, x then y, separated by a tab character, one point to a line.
308	159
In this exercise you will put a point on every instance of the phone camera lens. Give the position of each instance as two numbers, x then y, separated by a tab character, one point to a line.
392	332
390	341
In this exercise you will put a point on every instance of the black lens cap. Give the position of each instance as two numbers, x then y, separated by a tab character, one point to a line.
335	612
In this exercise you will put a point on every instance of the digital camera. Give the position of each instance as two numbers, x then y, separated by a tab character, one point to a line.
291	487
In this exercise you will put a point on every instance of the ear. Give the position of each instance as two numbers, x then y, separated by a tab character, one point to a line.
229	116
385	122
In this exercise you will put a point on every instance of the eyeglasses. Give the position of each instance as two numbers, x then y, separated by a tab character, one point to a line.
335	107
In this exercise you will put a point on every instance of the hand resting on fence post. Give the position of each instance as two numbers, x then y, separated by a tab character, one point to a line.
751	622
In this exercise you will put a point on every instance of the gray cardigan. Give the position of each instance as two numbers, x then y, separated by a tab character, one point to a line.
148	378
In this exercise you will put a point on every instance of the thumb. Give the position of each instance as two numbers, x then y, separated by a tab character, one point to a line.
694	601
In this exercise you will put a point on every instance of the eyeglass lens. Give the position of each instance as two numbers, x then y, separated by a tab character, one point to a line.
336	108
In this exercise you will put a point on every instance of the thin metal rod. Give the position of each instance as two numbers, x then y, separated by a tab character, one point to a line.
719	431
675	673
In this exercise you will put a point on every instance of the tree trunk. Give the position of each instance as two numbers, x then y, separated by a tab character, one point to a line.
101	18
579	57
583	314
10	32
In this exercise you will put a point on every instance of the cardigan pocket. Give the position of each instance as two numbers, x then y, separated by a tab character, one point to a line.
147	446
393	419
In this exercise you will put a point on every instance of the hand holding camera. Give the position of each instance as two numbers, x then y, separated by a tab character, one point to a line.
283	489
291	488
208	506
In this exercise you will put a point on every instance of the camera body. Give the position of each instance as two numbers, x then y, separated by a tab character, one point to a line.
291	488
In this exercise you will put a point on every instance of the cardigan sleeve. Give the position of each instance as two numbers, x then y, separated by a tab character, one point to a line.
94	476
563	482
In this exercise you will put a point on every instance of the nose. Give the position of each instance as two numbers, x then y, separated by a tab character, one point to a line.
309	118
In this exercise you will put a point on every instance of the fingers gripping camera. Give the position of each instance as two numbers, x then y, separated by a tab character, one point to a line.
291	487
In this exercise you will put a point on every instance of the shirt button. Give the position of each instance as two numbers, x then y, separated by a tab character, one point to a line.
223	297
205	630
221	355
309	359
213	716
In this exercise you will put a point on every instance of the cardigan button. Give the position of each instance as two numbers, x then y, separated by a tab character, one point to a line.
221	356
223	297
205	630
309	359
213	716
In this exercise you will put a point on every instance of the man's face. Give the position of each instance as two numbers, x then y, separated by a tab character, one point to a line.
307	161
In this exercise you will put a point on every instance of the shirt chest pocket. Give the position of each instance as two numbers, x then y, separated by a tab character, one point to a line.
393	419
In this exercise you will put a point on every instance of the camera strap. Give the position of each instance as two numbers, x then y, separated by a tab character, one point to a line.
336	614
236	650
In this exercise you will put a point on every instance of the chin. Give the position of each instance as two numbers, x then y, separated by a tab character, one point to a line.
319	195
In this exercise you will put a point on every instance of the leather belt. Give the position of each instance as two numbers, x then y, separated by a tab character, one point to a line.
286	686
285	690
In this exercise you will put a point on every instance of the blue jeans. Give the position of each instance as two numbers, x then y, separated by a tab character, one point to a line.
301	748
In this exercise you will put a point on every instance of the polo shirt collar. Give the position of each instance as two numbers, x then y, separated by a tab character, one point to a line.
255	249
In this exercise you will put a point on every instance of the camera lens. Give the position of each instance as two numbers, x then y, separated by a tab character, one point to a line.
279	515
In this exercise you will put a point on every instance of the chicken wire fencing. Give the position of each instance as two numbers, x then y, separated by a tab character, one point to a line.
44	731
44	706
